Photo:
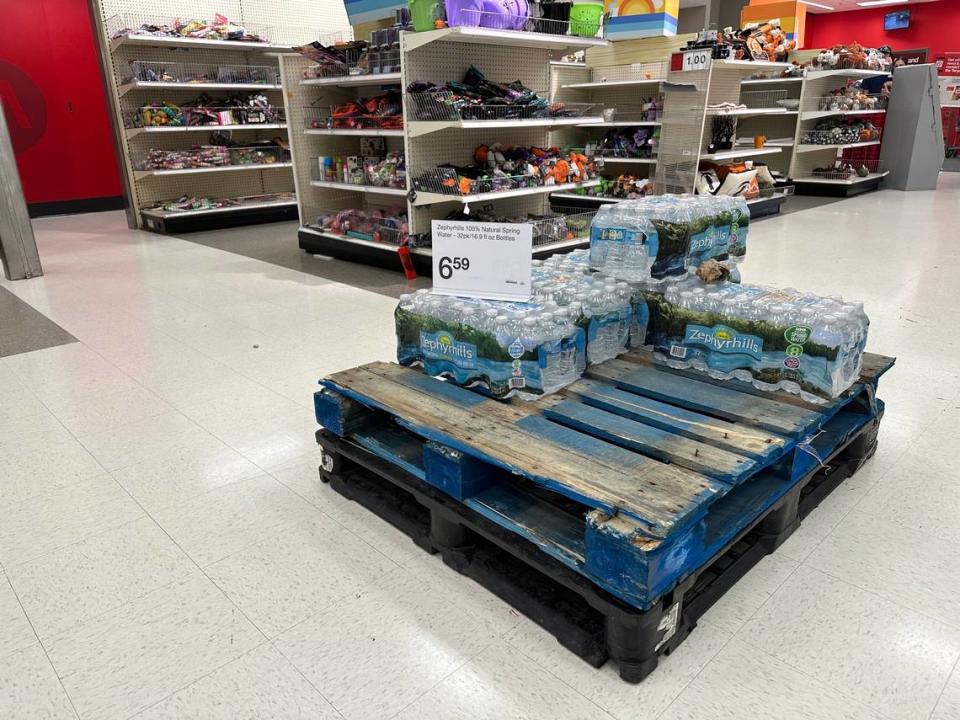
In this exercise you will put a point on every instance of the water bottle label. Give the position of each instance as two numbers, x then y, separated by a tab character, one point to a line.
724	339
678	351
442	345
618	235
516	349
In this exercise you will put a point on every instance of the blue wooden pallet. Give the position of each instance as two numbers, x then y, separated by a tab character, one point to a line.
634	476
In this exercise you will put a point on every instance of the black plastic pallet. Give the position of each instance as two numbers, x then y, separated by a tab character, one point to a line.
585	618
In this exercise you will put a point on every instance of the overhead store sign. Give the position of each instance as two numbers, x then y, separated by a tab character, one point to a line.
479	259
363	11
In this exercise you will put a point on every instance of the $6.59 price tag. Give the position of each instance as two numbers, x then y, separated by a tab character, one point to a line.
488	260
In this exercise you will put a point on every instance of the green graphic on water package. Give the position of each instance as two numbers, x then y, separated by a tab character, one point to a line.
797	334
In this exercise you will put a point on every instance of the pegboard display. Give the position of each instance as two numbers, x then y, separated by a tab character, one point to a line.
144	71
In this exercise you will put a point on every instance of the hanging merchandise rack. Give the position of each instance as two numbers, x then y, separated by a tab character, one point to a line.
203	128
441	127
839	134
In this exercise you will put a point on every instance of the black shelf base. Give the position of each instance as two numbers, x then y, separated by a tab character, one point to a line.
187	223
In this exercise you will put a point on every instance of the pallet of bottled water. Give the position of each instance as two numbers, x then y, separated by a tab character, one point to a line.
512	348
604	306
776	339
661	236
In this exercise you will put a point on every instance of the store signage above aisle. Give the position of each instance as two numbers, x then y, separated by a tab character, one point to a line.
480	259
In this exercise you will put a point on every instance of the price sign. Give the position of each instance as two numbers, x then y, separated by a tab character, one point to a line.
697	59
488	260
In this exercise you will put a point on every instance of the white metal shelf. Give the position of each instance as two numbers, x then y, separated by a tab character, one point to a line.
385	247
140	174
746	112
417	128
164	129
623	123
429	198
819	74
355	80
153	85
611	84
490	36
744	152
804	148
771	81
592	198
365	132
171	214
817	114
199	43
853	180
626	161
372	189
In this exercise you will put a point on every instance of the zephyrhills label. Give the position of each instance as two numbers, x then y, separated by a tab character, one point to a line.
723	339
443	346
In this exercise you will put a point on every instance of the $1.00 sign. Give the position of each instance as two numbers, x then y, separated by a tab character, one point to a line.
488	260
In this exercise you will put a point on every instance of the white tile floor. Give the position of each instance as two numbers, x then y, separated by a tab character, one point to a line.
167	550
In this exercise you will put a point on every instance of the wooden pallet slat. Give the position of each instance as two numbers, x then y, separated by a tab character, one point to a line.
472	431
742	439
697	456
703	397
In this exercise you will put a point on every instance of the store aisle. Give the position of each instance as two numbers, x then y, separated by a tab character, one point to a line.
167	550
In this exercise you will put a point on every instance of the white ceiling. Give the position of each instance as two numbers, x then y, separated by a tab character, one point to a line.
842	5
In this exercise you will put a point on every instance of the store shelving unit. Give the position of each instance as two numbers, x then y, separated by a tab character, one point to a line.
812	162
623	93
693	99
146	70
428	141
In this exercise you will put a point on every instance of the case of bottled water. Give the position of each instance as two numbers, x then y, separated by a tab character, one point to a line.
603	306
660	236
526	349
785	339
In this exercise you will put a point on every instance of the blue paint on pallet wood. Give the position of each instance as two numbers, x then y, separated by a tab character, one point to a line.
430	433
394	446
329	411
439	388
700	457
459	476
777	417
619	458
739	438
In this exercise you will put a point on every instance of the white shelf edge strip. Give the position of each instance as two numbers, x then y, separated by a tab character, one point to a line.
223	168
428	198
373	189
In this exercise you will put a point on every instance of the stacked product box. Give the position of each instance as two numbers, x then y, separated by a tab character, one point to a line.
775	339
574	317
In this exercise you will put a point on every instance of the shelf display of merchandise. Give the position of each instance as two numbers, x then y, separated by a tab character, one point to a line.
387	225
175	81
212	156
841	131
206	111
199	205
218	28
639	143
765	43
381	55
376	168
379	112
500	168
853	57
477	98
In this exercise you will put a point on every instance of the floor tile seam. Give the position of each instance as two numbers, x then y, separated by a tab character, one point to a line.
335	520
468	658
276	646
880	714
262	468
956	668
256	472
172	540
955	626
195	681
769	595
43	647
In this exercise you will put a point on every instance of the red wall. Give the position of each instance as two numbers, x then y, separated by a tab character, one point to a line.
934	25
55	103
